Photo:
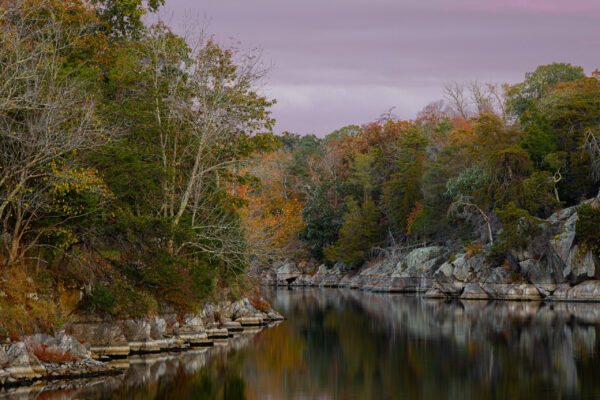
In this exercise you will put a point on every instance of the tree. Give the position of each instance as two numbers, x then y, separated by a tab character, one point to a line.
198	111
46	117
124	17
360	232
403	190
465	208
321	222
537	83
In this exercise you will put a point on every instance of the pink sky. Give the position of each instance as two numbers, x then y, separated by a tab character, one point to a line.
340	62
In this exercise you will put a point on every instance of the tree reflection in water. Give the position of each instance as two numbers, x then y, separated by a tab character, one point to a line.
346	344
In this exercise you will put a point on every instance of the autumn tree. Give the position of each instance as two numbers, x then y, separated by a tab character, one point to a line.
46	117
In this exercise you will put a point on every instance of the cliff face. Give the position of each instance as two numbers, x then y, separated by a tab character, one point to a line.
551	266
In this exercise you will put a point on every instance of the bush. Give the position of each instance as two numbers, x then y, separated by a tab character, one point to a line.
46	355
118	300
587	227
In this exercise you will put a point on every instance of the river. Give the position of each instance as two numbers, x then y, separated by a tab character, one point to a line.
344	344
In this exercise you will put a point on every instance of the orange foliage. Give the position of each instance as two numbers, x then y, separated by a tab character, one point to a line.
414	213
259	303
51	356
272	215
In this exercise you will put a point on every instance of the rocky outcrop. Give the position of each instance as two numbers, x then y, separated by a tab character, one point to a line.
552	266
87	344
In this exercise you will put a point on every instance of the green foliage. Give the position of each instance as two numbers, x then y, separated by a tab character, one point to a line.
537	83
359	233
403	190
518	227
118	299
536	194
469	181
124	17
587	227
321	223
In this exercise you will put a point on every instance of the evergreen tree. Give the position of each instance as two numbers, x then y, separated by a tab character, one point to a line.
360	232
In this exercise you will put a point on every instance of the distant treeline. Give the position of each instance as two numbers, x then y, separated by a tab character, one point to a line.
482	167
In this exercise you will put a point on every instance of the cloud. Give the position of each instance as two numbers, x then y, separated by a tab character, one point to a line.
337	62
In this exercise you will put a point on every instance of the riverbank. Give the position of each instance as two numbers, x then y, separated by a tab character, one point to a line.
91	346
552	266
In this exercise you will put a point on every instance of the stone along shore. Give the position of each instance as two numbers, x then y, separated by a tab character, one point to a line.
552	267
93	346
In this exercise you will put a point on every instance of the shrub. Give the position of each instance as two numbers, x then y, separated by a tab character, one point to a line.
49	355
473	249
259	302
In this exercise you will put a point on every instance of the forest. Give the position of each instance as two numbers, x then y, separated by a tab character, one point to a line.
141	165
478	170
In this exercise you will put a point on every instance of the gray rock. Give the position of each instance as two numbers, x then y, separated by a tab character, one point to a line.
444	273
585	291
19	363
473	291
158	328
462	269
581	266
103	338
137	330
422	262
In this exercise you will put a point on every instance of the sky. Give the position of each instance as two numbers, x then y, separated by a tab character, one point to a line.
339	62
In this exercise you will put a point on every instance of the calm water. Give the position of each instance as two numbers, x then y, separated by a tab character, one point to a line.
341	344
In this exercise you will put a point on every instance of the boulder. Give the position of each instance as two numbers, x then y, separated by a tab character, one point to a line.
473	291
61	344
580	266
19	363
250	321
196	339
216	333
101	339
135	330
435	293
585	291
190	323
232	326
462	270
158	328
422	262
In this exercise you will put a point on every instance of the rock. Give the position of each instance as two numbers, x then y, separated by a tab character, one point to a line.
522	291
462	269
250	321
217	333
275	316
196	339
450	289
444	273
580	266
232	326
585	291
102	339
19	363
191	323
62	344
422	262
435	293
137	330
158	328
473	291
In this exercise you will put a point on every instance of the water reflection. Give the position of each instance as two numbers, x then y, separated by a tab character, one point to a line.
343	344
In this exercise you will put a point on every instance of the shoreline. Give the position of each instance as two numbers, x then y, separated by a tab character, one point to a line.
584	292
91	347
